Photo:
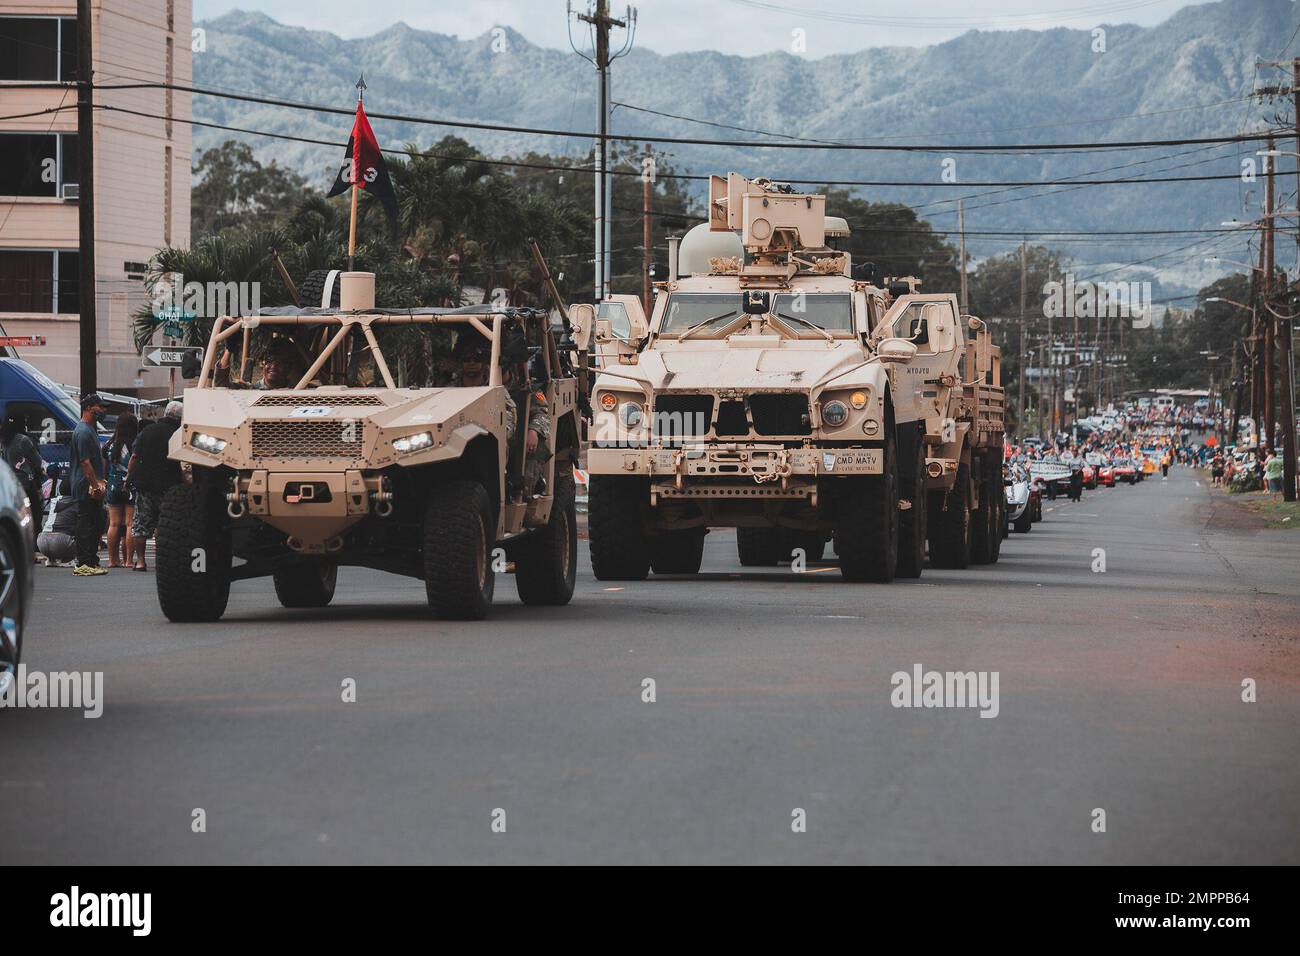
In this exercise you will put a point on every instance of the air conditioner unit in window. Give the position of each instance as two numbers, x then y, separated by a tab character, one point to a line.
71	192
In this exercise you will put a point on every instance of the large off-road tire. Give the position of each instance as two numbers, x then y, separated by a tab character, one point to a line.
759	547
458	531
309	583
677	552
948	524
1025	523
616	528
193	561
312	289
866	522
981	529
911	484
546	561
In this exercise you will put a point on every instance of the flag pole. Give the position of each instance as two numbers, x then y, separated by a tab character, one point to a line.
352	225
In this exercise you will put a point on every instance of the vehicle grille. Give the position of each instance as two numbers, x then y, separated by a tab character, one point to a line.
683	416
328	439
777	414
332	401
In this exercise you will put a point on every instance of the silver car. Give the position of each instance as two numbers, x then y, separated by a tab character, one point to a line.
17	547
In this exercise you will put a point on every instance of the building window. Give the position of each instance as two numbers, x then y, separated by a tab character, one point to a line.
39	281
38	49
37	164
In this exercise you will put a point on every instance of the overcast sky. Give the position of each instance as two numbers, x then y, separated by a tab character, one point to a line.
744	27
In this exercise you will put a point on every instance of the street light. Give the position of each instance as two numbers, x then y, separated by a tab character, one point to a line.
1240	305
1234	262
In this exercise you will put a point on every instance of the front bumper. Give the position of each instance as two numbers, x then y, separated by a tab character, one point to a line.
735	470
312	508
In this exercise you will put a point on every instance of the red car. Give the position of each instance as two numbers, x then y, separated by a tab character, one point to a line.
1089	477
1106	476
1125	471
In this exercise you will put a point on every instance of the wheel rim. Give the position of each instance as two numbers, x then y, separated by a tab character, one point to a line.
11	614
480	556
566	559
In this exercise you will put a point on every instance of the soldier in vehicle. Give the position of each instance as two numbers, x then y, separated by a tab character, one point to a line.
470	357
282	366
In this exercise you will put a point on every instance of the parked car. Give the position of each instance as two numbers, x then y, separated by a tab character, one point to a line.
1125	470
1020	495
51	414
17	548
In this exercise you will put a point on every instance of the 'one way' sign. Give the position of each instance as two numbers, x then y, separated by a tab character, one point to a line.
171	356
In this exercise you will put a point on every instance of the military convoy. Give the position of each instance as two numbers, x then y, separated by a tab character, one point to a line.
339	464
776	390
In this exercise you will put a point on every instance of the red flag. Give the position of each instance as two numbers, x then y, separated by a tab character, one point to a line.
363	164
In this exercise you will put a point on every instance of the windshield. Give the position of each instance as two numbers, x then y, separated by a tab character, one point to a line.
715	311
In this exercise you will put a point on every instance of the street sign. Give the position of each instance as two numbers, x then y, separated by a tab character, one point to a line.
166	356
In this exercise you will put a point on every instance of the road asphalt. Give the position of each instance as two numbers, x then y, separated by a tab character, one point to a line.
773	735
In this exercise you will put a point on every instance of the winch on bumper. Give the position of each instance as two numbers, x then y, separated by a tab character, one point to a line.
312	508
736	470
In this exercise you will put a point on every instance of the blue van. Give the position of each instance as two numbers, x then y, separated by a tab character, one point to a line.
50	413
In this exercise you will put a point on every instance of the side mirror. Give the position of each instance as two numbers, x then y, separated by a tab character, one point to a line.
582	318
895	351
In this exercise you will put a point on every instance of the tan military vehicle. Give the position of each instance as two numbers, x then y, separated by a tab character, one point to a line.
339	465
773	392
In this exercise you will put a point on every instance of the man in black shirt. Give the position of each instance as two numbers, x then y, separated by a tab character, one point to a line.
152	473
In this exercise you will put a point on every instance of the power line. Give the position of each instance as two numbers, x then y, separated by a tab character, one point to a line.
693	141
1002	129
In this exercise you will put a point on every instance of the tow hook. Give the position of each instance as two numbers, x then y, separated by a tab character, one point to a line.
235	504
383	499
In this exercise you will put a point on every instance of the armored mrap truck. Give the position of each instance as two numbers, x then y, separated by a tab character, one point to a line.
773	392
328	461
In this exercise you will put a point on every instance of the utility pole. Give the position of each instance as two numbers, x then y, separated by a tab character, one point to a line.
1051	382
1284	334
1269	408
1039	409
601	23
1020	408
961	230
646	239
1283	330
86	199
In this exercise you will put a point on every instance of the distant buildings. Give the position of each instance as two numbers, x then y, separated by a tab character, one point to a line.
142	175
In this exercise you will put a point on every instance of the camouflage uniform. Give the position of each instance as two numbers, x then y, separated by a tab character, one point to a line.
539	420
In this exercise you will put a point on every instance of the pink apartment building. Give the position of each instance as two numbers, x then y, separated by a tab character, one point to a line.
142	175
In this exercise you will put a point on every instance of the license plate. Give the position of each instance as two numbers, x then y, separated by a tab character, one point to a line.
310	411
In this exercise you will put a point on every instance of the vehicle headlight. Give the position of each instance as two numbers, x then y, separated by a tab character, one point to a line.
630	414
858	400
608	402
835	413
412	443
208	443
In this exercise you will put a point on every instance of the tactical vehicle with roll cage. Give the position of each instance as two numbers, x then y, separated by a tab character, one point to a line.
348	466
776	390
